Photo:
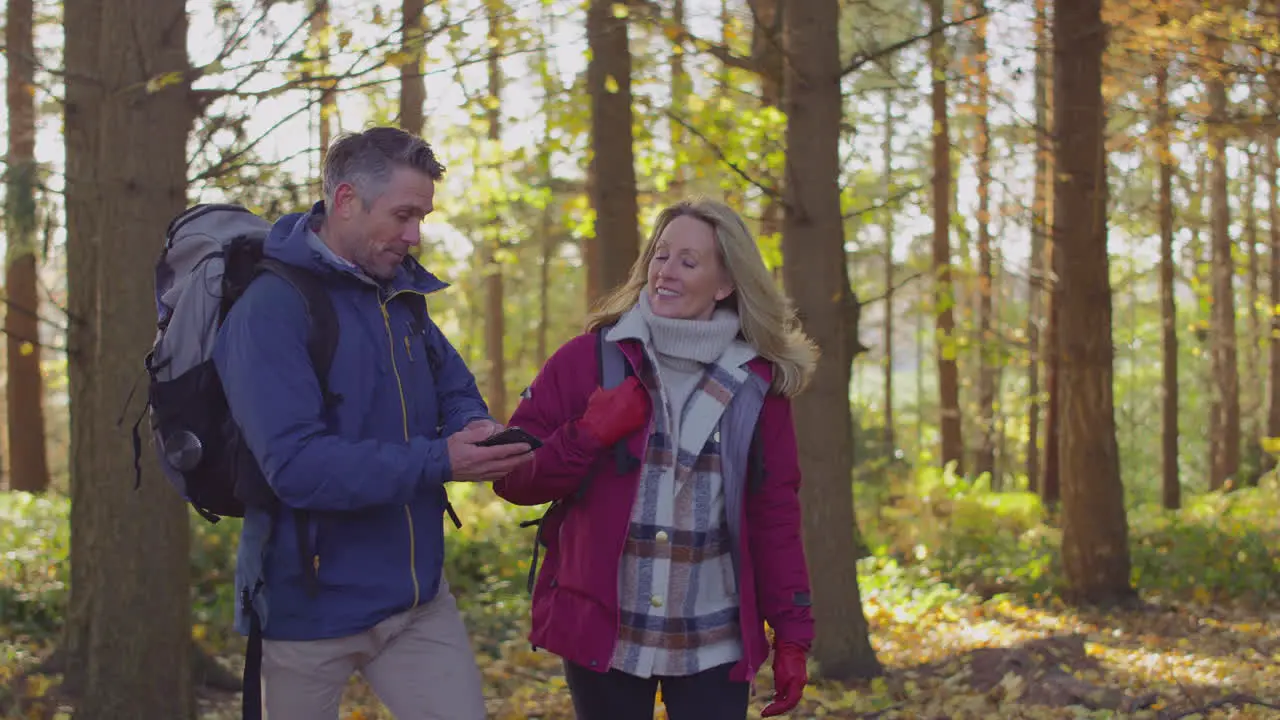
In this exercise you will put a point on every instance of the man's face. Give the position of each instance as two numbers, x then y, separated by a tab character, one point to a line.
378	236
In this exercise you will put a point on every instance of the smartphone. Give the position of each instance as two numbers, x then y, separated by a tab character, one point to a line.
511	435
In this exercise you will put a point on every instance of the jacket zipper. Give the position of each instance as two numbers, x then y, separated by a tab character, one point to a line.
404	419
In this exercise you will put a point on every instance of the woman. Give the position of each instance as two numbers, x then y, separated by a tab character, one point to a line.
663	570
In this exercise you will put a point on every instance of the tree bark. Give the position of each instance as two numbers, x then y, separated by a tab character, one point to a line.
616	234
24	387
82	23
766	52
133	551
1095	549
944	289
495	318
413	87
1171	486
1226	460
817	276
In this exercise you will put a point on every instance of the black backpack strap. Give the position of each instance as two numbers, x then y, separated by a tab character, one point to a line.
251	681
322	343
434	361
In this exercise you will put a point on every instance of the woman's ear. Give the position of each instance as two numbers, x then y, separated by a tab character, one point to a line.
723	292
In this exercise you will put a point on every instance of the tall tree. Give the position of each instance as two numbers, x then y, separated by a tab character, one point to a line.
1171	487
767	58
986	333
1253	301
413	87
1226	372
494	316
615	241
320	34
1039	231
888	214
817	277
1273	223
1095	543
681	89
129	547
24	388
944	288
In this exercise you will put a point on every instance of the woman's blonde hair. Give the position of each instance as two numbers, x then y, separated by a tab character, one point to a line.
767	316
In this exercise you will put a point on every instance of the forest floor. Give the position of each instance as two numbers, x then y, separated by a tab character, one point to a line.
967	624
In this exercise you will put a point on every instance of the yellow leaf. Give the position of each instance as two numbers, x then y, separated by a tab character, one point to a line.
164	80
611	84
26	348
620	11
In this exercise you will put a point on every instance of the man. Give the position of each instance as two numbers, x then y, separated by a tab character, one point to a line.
369	463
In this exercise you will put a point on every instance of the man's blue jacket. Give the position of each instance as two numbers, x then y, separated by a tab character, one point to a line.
371	470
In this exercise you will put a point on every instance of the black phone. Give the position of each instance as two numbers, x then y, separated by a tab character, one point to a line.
509	436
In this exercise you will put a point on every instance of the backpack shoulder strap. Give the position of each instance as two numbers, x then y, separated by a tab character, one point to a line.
613	369
613	365
322	340
419	310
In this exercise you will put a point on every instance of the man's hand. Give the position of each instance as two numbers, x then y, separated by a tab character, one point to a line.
471	463
489	426
789	678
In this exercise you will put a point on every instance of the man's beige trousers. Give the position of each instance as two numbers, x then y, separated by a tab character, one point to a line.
419	663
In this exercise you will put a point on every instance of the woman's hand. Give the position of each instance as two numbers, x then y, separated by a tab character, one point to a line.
789	678
613	414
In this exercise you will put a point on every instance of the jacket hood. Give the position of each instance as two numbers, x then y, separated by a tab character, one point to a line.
293	240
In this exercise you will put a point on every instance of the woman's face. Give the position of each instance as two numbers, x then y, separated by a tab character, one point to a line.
686	276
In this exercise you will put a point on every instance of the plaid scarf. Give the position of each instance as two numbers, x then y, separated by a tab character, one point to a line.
678	590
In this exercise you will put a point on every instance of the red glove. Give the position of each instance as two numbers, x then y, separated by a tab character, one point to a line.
789	678
613	414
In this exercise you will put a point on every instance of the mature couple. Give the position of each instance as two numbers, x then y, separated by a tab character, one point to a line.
660	571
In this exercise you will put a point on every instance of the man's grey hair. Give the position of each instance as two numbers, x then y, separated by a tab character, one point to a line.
365	160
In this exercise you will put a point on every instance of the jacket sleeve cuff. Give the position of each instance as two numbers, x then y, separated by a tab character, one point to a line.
436	467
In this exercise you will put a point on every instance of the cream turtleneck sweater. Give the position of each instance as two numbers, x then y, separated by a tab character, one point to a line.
683	347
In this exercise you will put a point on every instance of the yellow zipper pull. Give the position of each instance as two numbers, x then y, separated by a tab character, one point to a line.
408	349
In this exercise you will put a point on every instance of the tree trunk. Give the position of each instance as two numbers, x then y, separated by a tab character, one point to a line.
1273	222
413	88
889	443
328	106
817	277
681	89
1095	544
766	51
1226	461
944	290
546	222
84	100
616	235
495	317
24	385
986	332
1253	356
1171	487
131	550
1039	229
